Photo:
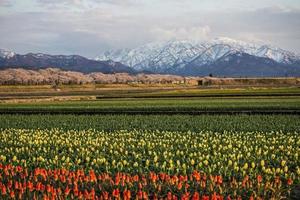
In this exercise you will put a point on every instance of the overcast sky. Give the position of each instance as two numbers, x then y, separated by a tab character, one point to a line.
89	27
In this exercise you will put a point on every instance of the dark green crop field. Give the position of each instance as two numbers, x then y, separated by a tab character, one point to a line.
155	122
157	106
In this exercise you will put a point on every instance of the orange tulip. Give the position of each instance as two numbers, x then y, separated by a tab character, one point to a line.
126	194
219	180
45	197
196	175
93	177
179	186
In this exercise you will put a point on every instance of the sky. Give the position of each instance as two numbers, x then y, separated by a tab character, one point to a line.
90	27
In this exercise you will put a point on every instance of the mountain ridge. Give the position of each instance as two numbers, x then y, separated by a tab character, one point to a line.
66	62
177	56
220	57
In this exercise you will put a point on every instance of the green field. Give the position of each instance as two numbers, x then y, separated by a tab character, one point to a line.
198	123
102	91
150	100
187	105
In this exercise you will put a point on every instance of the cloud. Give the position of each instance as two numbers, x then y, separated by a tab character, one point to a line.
109	24
84	4
6	3
182	33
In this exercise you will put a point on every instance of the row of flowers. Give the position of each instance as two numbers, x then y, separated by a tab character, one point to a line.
156	164
18	182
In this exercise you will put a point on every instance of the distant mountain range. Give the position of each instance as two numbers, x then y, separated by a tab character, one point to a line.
219	57
73	63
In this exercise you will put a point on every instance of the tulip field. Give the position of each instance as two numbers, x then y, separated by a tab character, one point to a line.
148	164
179	145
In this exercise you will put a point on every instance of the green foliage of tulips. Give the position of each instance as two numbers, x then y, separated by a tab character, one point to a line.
182	123
185	104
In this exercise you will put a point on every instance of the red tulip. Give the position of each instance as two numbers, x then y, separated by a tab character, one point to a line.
67	191
289	181
185	196
12	194
169	197
105	195
196	196
259	178
116	193
3	190
140	194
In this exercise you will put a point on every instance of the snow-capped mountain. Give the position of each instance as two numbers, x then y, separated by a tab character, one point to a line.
155	55
178	57
6	54
221	57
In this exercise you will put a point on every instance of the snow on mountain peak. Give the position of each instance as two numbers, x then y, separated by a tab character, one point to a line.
177	53
227	40
6	54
